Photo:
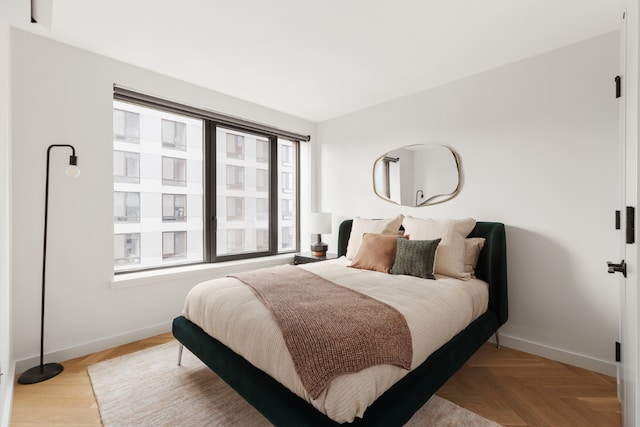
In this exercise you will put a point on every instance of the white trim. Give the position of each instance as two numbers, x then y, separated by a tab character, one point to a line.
205	271
559	355
93	346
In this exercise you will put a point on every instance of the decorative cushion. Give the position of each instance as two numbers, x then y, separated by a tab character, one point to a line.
453	232
472	248
364	225
415	258
377	252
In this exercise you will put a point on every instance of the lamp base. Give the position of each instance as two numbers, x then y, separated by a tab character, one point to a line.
40	373
319	249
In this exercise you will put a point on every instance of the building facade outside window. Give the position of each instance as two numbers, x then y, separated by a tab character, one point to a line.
155	179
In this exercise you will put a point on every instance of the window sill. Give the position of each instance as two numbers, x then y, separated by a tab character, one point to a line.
201	271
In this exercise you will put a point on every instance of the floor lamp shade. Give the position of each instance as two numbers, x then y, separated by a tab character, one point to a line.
44	371
319	223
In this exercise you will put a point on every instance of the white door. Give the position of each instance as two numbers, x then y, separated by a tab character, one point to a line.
628	375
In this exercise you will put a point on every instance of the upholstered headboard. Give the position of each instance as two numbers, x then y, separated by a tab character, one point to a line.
492	262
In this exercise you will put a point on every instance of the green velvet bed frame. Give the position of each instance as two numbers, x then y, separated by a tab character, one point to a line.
396	406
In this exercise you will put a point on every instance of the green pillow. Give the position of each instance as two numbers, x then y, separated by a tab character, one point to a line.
415	258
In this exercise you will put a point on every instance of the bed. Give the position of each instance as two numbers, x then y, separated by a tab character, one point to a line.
397	404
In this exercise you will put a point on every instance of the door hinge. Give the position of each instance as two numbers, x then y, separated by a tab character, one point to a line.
617	220
618	81
631	225
618	352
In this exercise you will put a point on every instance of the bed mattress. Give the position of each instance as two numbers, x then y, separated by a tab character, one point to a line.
435	310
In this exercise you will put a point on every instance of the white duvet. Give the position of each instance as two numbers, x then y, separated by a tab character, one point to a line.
435	310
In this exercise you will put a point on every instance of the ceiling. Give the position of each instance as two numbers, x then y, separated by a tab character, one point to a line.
319	59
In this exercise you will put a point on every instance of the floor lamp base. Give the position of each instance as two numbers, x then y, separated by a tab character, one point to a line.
40	373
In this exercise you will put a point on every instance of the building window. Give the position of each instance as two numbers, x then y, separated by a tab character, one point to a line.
235	146
235	240
262	209
126	167
262	151
286	154
126	249
287	238
126	126
262	180
235	208
174	171
227	176
287	209
126	206
287	182
235	177
174	244
174	207
262	239
174	135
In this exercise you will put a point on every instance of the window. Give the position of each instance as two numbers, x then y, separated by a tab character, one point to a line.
174	244
174	207
126	167
235	146
262	180
235	208
287	209
126	206
286	154
126	249
235	240
262	151
185	167
235	177
262	239
126	126
287	182
174	135
174	171
262	209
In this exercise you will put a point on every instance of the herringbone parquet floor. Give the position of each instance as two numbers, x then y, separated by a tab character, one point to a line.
510	387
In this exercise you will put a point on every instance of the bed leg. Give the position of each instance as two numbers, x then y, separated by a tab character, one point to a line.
180	354
497	339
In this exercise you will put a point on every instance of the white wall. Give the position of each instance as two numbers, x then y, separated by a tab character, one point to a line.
538	143
5	222
64	95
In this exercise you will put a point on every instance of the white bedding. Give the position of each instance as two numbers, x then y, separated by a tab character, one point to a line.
435	310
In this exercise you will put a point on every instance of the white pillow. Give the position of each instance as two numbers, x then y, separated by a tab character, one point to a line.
364	225
451	250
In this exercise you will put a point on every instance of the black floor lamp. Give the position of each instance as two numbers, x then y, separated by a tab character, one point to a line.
44	371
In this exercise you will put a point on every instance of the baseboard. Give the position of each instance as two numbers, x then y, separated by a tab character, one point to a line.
559	355
7	403
94	346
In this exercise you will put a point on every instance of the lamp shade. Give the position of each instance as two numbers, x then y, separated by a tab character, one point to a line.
320	223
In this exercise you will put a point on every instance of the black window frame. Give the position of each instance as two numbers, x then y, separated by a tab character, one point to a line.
212	120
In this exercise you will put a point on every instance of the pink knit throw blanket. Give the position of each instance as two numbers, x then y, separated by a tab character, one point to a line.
330	330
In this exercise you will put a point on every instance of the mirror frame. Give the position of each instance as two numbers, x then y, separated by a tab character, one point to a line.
433	200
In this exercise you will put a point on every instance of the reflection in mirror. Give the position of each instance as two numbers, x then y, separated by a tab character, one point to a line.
417	175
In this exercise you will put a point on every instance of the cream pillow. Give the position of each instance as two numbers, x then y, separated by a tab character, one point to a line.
472	248
364	225
451	250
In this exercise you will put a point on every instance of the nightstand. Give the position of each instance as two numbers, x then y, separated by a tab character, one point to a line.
306	258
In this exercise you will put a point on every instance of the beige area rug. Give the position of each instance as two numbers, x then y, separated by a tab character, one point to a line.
147	388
